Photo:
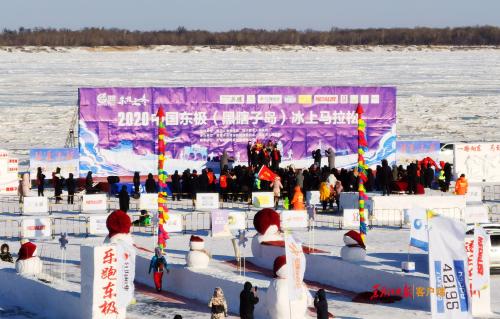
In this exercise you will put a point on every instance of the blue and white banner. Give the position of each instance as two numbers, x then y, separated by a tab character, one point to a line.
419	236
448	270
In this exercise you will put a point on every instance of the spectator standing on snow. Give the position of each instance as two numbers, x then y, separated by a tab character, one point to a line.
429	175
71	187
124	199
442	181
158	265
321	304
385	178
277	186
412	178
57	181
218	305
176	186
248	300
151	184
224	180
461	185
24	186
447	175
89	183
324	194
194	185
298	199
40	181
137	184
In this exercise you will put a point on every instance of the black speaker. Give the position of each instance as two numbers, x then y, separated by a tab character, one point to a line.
113	179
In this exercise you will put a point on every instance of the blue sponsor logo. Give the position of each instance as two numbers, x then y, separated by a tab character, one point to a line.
439	284
461	286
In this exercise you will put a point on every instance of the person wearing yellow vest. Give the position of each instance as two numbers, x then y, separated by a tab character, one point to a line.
324	194
298	199
442	181
461	185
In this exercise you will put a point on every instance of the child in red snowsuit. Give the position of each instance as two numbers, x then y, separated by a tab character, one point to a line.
158	265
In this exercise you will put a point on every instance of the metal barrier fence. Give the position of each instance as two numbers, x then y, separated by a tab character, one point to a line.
392	217
491	192
10	228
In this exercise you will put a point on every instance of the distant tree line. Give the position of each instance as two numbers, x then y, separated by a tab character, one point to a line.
467	36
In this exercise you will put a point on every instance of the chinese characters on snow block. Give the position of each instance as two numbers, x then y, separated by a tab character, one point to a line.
108	290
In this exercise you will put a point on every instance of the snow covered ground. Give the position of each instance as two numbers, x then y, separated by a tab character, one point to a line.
387	247
447	93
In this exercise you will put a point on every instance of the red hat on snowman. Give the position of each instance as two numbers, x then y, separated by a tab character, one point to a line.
196	242
118	222
27	250
353	239
266	218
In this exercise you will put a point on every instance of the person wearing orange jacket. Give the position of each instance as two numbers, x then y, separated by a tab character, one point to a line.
298	199
461	185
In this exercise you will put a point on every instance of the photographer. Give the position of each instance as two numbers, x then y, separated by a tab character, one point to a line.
248	300
321	305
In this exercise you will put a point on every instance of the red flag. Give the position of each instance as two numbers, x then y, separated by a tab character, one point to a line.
265	174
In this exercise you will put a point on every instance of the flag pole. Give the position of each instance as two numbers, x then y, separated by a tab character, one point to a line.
362	178
162	181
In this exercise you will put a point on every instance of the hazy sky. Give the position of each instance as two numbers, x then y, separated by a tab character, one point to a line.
220	15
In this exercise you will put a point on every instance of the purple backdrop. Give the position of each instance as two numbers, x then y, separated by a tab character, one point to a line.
117	125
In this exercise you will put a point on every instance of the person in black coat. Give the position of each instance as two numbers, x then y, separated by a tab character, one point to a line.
124	199
71	186
447	175
321	305
137	183
176	186
429	176
317	157
150	184
58	182
203	182
248	300
194	185
412	178
385	178
40	181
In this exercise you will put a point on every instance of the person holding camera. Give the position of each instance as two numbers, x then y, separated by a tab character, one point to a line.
321	304
248	300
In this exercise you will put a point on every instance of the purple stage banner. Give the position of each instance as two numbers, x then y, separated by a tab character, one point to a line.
118	125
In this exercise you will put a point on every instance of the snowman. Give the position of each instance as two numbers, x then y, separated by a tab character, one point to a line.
28	263
354	249
118	224
267	224
198	256
278	304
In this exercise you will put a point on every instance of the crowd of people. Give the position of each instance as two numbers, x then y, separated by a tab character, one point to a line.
289	185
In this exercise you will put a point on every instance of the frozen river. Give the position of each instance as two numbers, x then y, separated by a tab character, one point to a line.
443	93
